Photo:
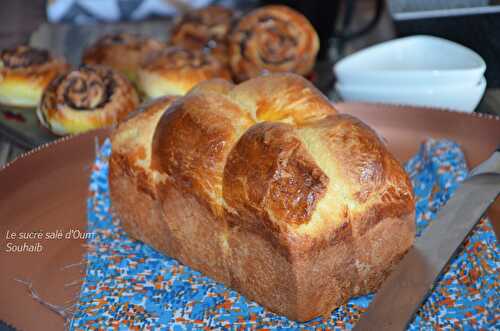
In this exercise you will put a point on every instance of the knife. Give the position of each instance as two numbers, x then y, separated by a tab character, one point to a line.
412	280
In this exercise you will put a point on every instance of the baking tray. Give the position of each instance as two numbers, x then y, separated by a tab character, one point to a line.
21	126
46	189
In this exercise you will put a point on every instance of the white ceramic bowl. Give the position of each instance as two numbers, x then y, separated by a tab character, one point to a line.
458	97
415	60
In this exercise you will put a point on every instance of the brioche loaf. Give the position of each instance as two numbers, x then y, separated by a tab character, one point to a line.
265	187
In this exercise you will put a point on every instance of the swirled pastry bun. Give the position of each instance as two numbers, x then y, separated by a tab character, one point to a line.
175	70
86	98
272	39
123	52
24	73
204	29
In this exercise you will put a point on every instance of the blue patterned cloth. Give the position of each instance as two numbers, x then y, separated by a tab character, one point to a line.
128	285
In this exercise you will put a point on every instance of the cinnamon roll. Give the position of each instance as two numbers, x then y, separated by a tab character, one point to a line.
272	39
24	73
86	98
175	70
123	52
204	29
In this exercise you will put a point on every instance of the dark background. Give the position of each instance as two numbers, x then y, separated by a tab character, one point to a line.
18	19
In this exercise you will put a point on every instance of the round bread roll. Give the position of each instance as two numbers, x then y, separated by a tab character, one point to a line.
24	73
175	70
204	29
272	39
86	98
123	52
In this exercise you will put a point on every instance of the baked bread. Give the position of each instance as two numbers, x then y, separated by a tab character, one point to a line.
205	29
24	73
272	39
86	98
265	187
175	70
123	52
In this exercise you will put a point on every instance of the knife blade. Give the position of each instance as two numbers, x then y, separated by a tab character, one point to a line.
411	281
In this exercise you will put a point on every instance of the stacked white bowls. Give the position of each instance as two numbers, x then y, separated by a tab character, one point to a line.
418	70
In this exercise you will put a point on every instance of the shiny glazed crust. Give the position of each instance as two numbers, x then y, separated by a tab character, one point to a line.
123	52
265	187
87	98
24	74
175	70
272	39
204	29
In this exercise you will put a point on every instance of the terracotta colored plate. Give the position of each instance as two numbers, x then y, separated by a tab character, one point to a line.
47	190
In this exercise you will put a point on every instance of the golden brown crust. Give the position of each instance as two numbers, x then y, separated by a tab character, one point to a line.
204	29
175	70
263	186
271	176
272	39
130	136
282	97
198	122
24	73
216	85
87	98
132	184
123	52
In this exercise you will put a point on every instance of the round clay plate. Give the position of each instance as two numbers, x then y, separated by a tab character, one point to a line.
45	191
